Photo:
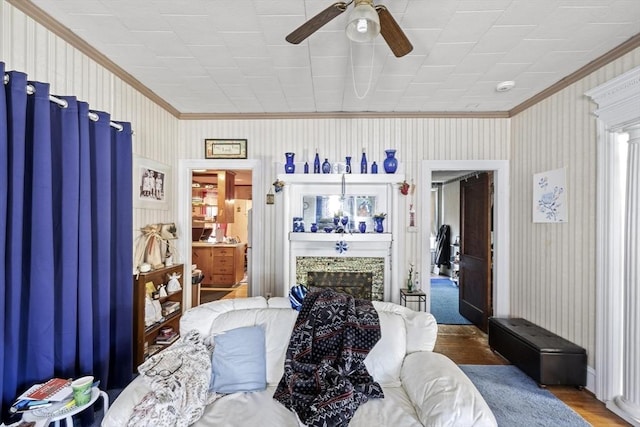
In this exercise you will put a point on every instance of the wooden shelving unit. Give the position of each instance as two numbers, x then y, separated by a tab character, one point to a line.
147	334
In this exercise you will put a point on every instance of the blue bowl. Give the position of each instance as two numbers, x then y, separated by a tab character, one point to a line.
328	229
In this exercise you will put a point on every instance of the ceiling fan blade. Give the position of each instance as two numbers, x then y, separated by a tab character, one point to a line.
315	23
392	33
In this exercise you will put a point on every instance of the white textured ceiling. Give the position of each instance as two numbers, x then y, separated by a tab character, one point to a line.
210	56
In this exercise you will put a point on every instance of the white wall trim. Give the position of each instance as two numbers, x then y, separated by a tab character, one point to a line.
501	289
185	167
618	103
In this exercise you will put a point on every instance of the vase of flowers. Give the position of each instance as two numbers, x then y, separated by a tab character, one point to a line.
378	222
410	279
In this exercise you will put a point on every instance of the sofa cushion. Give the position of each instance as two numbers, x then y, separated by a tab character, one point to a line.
258	408
422	329
201	317
238	361
385	359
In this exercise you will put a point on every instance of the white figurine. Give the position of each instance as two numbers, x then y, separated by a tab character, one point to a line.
162	291
174	283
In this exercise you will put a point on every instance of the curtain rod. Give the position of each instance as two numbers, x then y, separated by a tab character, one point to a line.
64	104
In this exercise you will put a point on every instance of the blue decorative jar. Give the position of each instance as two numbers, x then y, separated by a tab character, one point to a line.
362	226
298	224
390	163
314	227
378	227
374	167
348	166
289	166
326	166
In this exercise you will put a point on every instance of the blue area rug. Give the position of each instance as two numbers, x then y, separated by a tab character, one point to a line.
516	400
444	302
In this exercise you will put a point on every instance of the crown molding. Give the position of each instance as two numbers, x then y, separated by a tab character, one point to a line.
347	115
44	19
615	53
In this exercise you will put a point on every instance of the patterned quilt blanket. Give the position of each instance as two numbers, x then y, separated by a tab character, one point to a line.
325	379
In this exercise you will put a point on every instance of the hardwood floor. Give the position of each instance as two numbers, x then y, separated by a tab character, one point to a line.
469	345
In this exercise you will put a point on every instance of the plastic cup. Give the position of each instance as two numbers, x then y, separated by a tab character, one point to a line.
82	390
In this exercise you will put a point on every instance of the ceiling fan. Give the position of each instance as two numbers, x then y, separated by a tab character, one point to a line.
365	22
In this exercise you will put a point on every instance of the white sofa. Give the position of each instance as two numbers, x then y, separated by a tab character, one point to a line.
421	388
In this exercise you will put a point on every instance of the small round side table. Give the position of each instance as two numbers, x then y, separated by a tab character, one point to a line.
66	414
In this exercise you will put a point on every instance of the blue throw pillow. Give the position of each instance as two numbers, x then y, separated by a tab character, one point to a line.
296	296
239	361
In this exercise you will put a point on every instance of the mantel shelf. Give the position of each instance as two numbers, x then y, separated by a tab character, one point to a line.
332	237
336	178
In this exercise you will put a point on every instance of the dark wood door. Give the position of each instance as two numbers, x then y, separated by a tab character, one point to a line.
475	250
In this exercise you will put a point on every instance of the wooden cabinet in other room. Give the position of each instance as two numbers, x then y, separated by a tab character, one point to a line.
221	265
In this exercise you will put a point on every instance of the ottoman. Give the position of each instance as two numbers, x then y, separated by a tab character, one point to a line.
546	357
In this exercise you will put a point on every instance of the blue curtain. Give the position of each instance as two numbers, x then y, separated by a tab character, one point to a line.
66	241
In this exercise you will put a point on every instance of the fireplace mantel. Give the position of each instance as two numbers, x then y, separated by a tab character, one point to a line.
383	246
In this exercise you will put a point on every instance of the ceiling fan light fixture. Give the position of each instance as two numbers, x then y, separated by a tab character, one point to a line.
363	24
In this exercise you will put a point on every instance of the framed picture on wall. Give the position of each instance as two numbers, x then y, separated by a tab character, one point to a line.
151	183
225	148
550	196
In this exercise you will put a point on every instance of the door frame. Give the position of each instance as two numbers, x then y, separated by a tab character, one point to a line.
185	169
500	168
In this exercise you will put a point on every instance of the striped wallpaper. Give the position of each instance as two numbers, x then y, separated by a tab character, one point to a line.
553	266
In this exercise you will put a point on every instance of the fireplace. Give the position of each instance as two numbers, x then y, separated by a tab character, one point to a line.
357	259
362	277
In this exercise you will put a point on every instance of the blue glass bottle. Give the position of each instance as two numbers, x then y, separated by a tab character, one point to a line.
326	166
390	163
374	168
289	166
348	166
306	167
363	163
316	164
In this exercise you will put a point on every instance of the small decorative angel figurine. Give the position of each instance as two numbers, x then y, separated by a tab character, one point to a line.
162	291
174	283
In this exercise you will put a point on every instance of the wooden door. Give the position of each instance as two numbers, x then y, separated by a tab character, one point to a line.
475	250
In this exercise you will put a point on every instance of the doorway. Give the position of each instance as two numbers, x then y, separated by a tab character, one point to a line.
499	274
186	169
220	207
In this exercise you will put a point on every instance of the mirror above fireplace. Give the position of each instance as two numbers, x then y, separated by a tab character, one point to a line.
322	209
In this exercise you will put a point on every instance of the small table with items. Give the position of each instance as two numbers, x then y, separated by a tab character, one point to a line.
413	296
54	414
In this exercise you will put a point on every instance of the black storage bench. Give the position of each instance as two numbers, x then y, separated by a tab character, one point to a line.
546	357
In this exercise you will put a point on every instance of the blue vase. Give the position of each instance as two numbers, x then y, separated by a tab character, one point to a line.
316	164
344	220
314	227
348	167
374	167
326	166
363	163
362	226
289	166
390	163
378	227
336	220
